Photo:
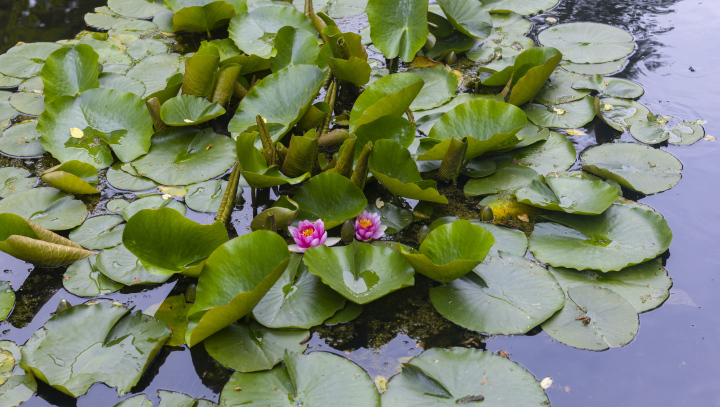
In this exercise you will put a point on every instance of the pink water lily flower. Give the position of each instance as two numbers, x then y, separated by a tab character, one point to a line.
369	227
308	235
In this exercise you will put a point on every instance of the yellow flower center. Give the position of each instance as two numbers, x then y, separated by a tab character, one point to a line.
366	223
308	231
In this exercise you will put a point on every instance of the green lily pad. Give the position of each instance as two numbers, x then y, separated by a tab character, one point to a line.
7	112
505	179
7	300
456	42
201	15
621	236
146	47
92	126
14	180
186	156
252	348
18	389
70	71
155	70
22	140
282	99
234	280
392	165
347	314
125	177
506	240
613	87
440	86
9	352
135	401
390	95
146	236
470	244
556	154
394	128
110	54
136	8
318	379
297	300
164	21
588	42
487	124
66	352
501	46
657	129
121	83
467	16
294	47
523	7
99	232
603	68
253	32
426	119
569	194
26	60
189	110
505	295
119	264
47	207
560	88
152	202
83	279
116	205
360	272
479	168
173	311
175	399
330	197
9	81
569	115
646	286
253	165
432	379
621	114
640	168
29	103
206	196
593	318
73	176
398	28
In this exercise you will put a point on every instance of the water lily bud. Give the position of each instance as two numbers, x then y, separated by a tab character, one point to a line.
190	293
62	306
347	233
487	214
422	233
451	58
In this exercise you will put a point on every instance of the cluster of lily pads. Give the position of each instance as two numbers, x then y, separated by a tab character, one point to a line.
123	112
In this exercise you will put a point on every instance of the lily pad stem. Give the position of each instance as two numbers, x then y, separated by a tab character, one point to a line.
228	202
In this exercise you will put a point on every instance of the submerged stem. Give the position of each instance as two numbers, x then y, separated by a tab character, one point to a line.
228	202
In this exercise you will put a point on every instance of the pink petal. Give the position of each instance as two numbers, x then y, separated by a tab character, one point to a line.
315	242
319	226
379	233
323	238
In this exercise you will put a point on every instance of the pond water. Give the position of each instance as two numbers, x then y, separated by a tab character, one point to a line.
673	360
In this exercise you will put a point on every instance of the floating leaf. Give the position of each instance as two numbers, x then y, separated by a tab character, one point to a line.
146	47
253	32
640	168
570	194
467	16
26	60
621	236
73	176
136	8
155	71
603	68
396	219
254	168
83	279
152	202
588	42
121	83
201	15
120	265
390	95
206	196
22	140
252	348
189	110
14	180
99	232
135	401
440	86
330	197
47	207
621	114
69	71
426	119
656	130
504	179
125	177
398	28
613	87
29	103
559	88
556	154
7	300
294	47
563	116
284	212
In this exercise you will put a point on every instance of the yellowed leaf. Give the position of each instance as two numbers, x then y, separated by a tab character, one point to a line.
551	20
701	122
575	132
608	107
546	383
173	191
558	111
76	133
379	203
709	138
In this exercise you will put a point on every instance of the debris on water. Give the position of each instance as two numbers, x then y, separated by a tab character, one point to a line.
504	354
546	383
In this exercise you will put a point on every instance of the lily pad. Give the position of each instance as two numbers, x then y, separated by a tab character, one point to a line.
253	32
621	236
136	8
201	15
392	165
523	7
29	103
14	180
83	279
556	154
7	300
99	232
120	265
440	86
121	83
155	70
22	140
152	202
640	168
426	119
135	401
125	177
330	197
70	71
186	156
18	389
360	272
234	280
394	128
111	54
593	318
294	47
621	114
569	115
568	194
613	87
390	95
26	60
297	300
47	207
173	311
73	176
252	348
432	379
588	42
318	379
470	244
467	16
282	99
92	126
9	81
560	88
657	129
65	353
398	28
7	112
146	236
505	179
146	47
189	110
396	219
603	68
206	196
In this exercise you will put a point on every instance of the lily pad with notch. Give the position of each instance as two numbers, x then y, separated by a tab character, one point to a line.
504	179
46	207
588	42
569	115
152	202
398	28
119	264
99	232
189	110
22	140
568	193
613	87
83	279
254	32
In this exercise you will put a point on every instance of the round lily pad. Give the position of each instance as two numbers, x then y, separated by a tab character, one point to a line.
183	156
657	129
206	196
136	8
330	197
613	87
99	232
84	280
588	42
189	110
468	17
603	68
479	168
103	21
569	115
569	194
460	376
14	180
7	112
121	83
146	47
26	60
9	81
116	205
640	168
505	295
556	154
29	103
252	348
254	31
621	236
125	177
593	318
152	202
504	179
120	265
46	207
559	88
620	114
109	54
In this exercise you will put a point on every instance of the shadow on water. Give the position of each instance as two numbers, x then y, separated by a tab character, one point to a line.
671	362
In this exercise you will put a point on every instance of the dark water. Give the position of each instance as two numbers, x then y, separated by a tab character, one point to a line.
673	361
